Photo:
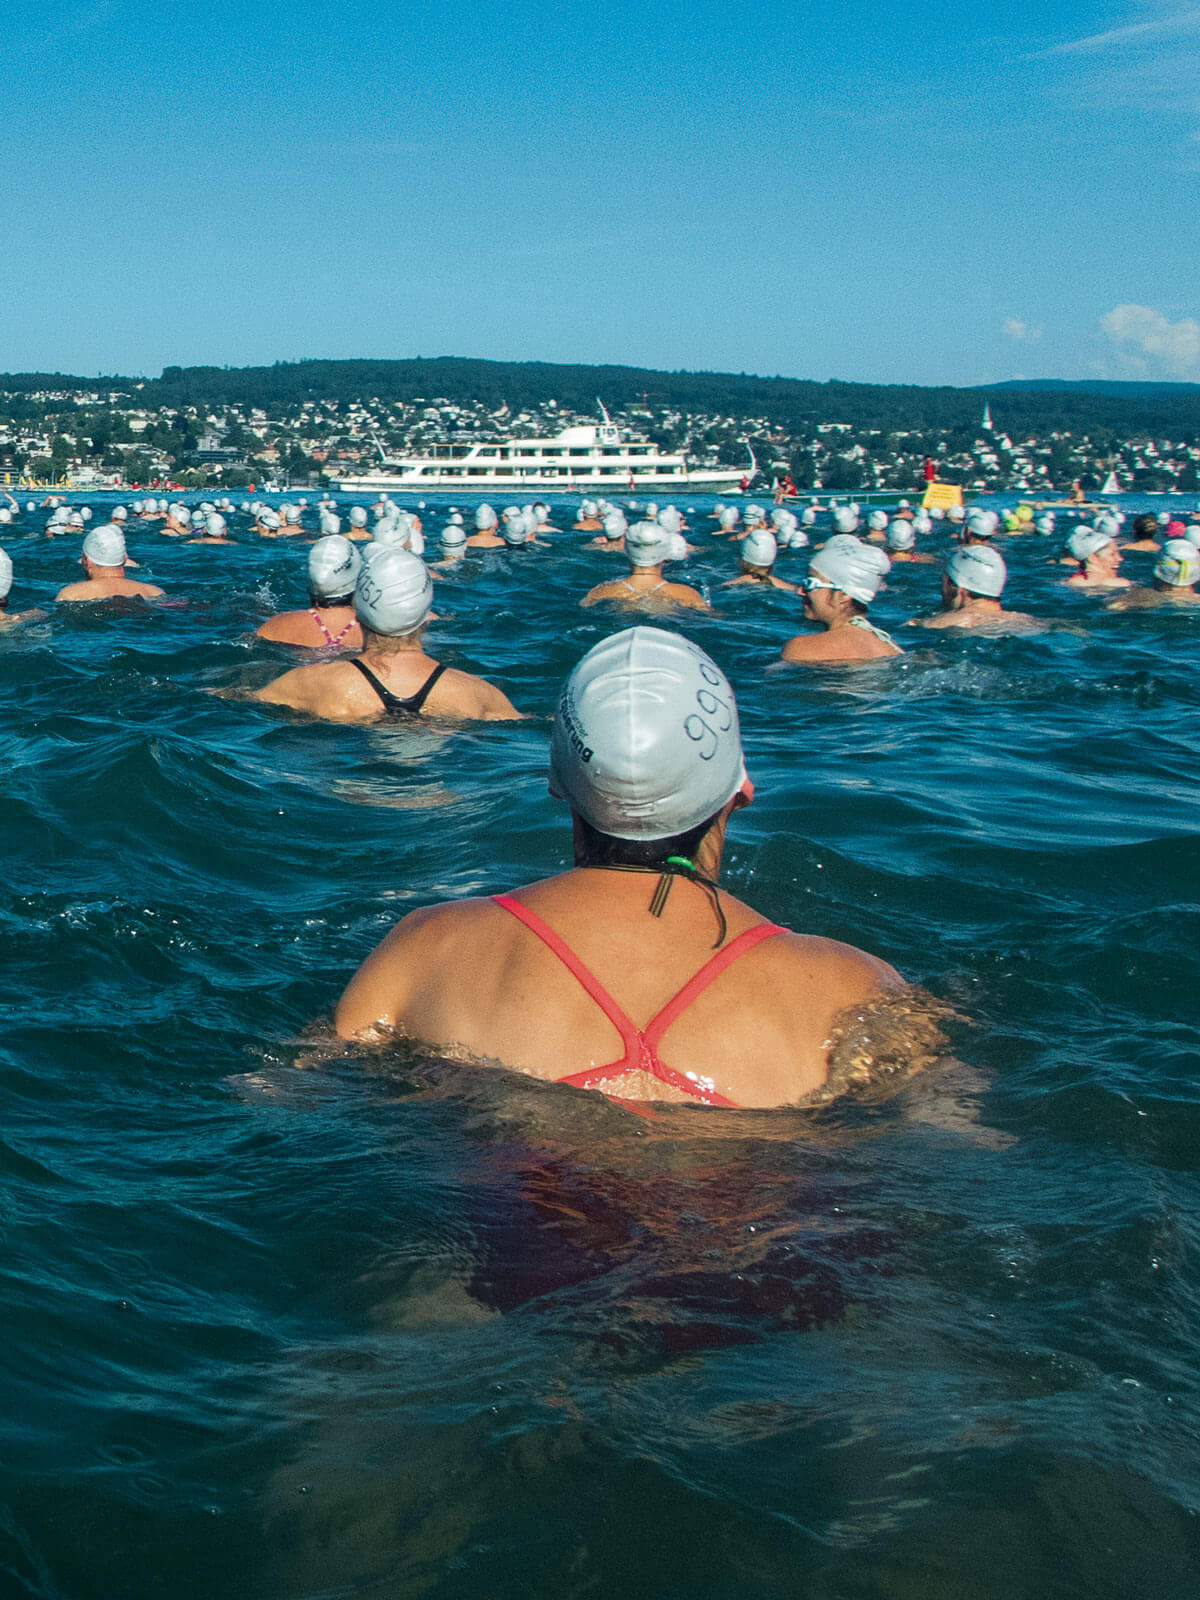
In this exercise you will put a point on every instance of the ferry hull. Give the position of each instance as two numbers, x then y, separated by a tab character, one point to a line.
715	482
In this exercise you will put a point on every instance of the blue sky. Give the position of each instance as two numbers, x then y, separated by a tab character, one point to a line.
883	193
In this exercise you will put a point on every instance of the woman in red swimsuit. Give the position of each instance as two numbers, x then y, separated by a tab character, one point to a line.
633	972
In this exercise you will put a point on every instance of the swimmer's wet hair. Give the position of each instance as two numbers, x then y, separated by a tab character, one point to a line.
598	849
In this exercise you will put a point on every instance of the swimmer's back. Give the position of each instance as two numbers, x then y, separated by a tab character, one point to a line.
468	976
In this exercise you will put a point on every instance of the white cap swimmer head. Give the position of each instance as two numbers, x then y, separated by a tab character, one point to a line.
1178	564
759	548
978	569
1192	533
515	529
670	519
485	518
6	574
614	525
1087	542
808	516
877	521
118	514
105	546
331	523
754	515
394	593
679	548
454	536
730	516
902	535
215	525
646	742
855	568
647	544
358	517
845	519
333	568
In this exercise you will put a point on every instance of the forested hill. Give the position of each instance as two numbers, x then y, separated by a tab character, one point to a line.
794	404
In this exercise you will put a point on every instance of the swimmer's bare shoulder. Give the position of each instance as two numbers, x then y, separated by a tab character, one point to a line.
462	694
379	995
333	690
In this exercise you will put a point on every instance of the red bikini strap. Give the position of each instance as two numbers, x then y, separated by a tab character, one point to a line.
711	970
630	1035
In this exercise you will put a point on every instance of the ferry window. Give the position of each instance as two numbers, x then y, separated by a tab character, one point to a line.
579	450
610	452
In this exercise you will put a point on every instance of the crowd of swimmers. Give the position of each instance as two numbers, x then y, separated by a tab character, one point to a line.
645	752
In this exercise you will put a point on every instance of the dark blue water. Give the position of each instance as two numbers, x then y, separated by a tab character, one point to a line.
282	1318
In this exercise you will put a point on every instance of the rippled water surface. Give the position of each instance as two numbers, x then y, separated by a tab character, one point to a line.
285	1319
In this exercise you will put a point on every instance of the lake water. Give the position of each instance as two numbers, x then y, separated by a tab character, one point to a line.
287	1319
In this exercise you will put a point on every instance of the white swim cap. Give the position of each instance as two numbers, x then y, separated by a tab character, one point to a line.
1178	564
454	536
515	530
679	548
646	742
105	546
1163	518
845	519
1045	524
955	513
979	569
588	509
269	519
333	567
456	517
670	519
755	514
647	544
5	574
1085	542
614	524
215	525
197	517
855	568
730	516
877	521
394	593
331	523
808	516
5	515
902	535
390	531
1108	525
358	517
293	514
485	518
1192	533
759	548
117	514
75	520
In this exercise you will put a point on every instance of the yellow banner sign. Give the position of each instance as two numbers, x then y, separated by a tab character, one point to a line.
942	496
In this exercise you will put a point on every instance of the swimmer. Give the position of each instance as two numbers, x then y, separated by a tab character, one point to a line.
877	524
1176	573
215	531
902	543
1099	557
329	623
394	677
267	523
104	559
648	546
178	523
843	579
357	523
972	584
634	957
612	538
12	619
1145	530
758	553
588	520
485	536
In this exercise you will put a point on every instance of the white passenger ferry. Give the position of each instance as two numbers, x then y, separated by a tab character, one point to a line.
592	457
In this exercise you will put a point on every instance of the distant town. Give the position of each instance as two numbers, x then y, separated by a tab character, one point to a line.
97	434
